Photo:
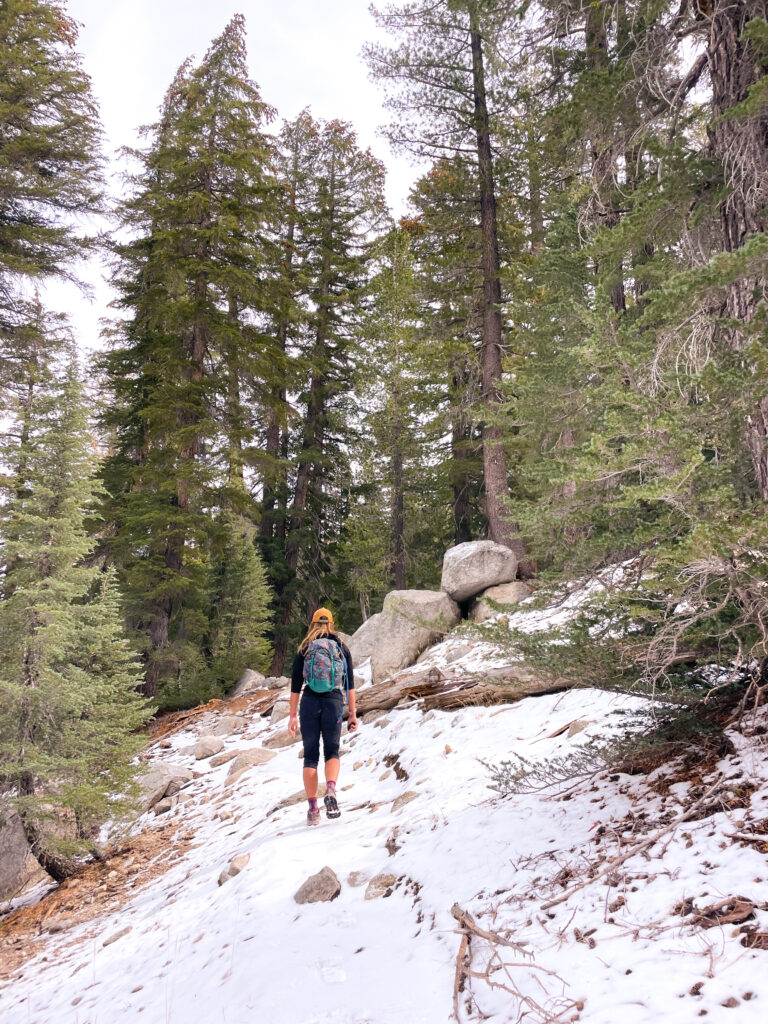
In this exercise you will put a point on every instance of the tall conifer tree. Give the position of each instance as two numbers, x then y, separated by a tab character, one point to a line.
190	351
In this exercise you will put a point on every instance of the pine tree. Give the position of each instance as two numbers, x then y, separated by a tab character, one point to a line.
68	699
441	98
342	207
49	151
191	358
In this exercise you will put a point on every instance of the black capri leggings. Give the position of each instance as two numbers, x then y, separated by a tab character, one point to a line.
320	714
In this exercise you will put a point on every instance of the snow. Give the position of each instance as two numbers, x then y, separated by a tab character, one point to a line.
192	950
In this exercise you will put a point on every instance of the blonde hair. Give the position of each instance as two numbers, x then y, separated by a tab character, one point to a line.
316	630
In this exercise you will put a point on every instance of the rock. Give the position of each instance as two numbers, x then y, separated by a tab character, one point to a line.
380	885
344	637
280	711
576	727
503	594
457	652
471	568
116	936
226	726
247	759
19	869
207	746
165	805
282	739
276	682
295	798
248	681
357	878
410	621
222	758
155	783
363	641
403	799
236	865
320	888
174	786
370	716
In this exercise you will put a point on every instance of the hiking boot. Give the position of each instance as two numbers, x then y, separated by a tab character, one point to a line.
313	816
332	806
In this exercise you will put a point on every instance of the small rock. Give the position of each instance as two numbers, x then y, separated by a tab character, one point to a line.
576	727
116	936
457	652
731	1002
320	888
372	716
357	878
403	799
448	748
276	682
380	885
381	723
164	805
283	739
247	759
385	775
236	865
280	711
207	746
226	726
223	757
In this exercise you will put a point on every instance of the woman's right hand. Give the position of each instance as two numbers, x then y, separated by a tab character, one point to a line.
293	724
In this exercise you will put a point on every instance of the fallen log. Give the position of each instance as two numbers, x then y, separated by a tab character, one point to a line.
432	690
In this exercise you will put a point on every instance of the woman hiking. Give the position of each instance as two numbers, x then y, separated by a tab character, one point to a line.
324	663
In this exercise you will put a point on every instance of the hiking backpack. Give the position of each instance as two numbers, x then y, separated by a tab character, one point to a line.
325	667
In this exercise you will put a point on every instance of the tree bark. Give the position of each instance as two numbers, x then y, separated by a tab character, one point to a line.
603	151
741	143
500	528
398	513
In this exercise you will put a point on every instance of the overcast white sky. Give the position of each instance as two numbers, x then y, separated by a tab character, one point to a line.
301	53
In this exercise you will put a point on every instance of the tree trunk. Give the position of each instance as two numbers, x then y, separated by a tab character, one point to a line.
500	528
741	143
601	144
58	866
398	517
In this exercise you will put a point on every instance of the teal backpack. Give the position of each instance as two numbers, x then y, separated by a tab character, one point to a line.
325	667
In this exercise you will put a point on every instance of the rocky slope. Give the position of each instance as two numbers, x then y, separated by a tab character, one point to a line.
631	897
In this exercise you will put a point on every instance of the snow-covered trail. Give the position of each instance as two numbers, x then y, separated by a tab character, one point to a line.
189	949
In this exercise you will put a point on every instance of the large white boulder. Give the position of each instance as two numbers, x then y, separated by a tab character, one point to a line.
411	620
471	568
363	641
504	594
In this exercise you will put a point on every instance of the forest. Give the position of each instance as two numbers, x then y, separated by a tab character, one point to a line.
303	402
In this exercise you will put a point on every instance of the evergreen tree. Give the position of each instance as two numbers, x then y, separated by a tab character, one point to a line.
441	98
49	151
190	356
342	205
69	705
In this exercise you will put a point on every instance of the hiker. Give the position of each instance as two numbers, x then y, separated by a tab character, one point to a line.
324	663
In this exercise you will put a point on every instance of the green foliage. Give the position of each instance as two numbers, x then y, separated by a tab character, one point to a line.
69	708
49	150
190	362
